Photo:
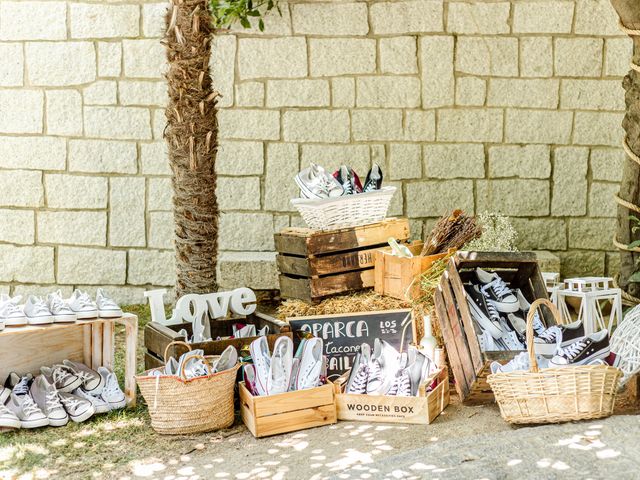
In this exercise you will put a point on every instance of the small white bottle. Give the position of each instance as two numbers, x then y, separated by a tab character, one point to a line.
428	342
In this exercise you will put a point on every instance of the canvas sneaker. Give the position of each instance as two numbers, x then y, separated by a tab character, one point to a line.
311	362
261	358
314	183
280	367
24	407
46	397
81	304
61	377
107	307
483	312
348	179
420	368
8	419
12	380
295	367
487	342
79	409
385	365
583	351
497	291
374	179
92	381
227	360
36	311
60	310
249	378
99	404
518	363
525	306
357	382
111	393
11	314
4	395
558	336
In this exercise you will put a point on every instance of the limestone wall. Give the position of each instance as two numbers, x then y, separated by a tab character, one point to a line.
482	105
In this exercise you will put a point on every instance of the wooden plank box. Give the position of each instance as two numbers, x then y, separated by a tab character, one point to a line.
471	366
420	410
398	277
287	412
315	264
157	337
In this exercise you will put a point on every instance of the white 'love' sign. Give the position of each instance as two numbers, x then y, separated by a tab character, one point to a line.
191	307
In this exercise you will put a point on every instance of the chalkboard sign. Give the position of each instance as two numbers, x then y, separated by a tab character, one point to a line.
343	334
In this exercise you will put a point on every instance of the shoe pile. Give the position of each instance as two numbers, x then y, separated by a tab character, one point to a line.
385	371
193	363
53	308
282	371
69	390
315	182
499	313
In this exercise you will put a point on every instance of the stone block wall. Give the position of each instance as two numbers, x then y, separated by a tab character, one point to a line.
512	107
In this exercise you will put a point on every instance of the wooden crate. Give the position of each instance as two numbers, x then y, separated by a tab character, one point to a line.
399	277
314	264
26	349
420	410
287	412
158	336
471	366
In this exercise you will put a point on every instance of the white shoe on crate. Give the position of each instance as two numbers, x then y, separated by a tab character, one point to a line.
99	404
249	377
281	365
261	358
295	366
385	363
357	382
401	386
92	381
61	377
111	393
36	311
311	361
78	408
62	313
81	304
107	307
8	419
11	313
46	397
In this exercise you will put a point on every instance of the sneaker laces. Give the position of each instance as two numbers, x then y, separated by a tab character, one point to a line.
52	400
359	384
57	303
111	386
61	374
572	351
39	306
22	387
84	300
493	311
71	403
108	302
10	307
83	376
499	286
551	334
29	407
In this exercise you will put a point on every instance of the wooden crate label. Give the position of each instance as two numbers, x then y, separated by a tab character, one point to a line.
344	334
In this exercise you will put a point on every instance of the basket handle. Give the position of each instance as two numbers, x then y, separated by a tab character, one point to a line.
193	357
530	316
177	342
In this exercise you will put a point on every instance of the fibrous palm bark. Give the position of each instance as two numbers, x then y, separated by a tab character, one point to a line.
191	135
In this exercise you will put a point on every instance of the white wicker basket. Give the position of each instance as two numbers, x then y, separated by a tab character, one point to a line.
347	211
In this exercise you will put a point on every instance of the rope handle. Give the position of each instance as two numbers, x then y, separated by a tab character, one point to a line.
191	358
177	342
530	316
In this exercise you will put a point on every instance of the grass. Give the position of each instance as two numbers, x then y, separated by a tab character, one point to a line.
95	448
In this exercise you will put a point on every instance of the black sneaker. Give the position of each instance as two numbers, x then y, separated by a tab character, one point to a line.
497	292
482	312
583	351
558	336
374	179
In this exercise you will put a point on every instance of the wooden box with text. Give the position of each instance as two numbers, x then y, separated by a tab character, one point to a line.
287	412
420	410
315	264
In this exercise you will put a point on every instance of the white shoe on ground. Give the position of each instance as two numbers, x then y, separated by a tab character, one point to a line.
8	419
36	311
24	407
111	393
61	312
99	405
46	397
92	381
61	377
81	304
78	408
107	307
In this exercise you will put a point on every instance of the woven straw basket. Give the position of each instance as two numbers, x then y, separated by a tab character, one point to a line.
554	395
181	406
347	211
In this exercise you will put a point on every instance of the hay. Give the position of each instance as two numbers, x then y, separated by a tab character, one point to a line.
366	301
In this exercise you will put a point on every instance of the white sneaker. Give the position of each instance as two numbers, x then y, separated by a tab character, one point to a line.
27	411
359	375
259	349
314	183
8	419
81	304
92	381
36	311
60	310
487	342
4	395
311	361
78	408
244	332
518	363
280	367
99	404
107	307
227	360
61	377
46	397
111	393
386	360
11	313
249	377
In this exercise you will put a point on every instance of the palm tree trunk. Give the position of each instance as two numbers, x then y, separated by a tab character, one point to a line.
192	135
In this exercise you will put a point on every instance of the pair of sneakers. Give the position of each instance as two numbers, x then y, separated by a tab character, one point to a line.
314	182
282	371
79	306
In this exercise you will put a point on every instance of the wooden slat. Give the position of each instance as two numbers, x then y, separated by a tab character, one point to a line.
452	350
463	307
343	282
151	361
108	344
291	401
96	345
296	420
495	259
130	323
